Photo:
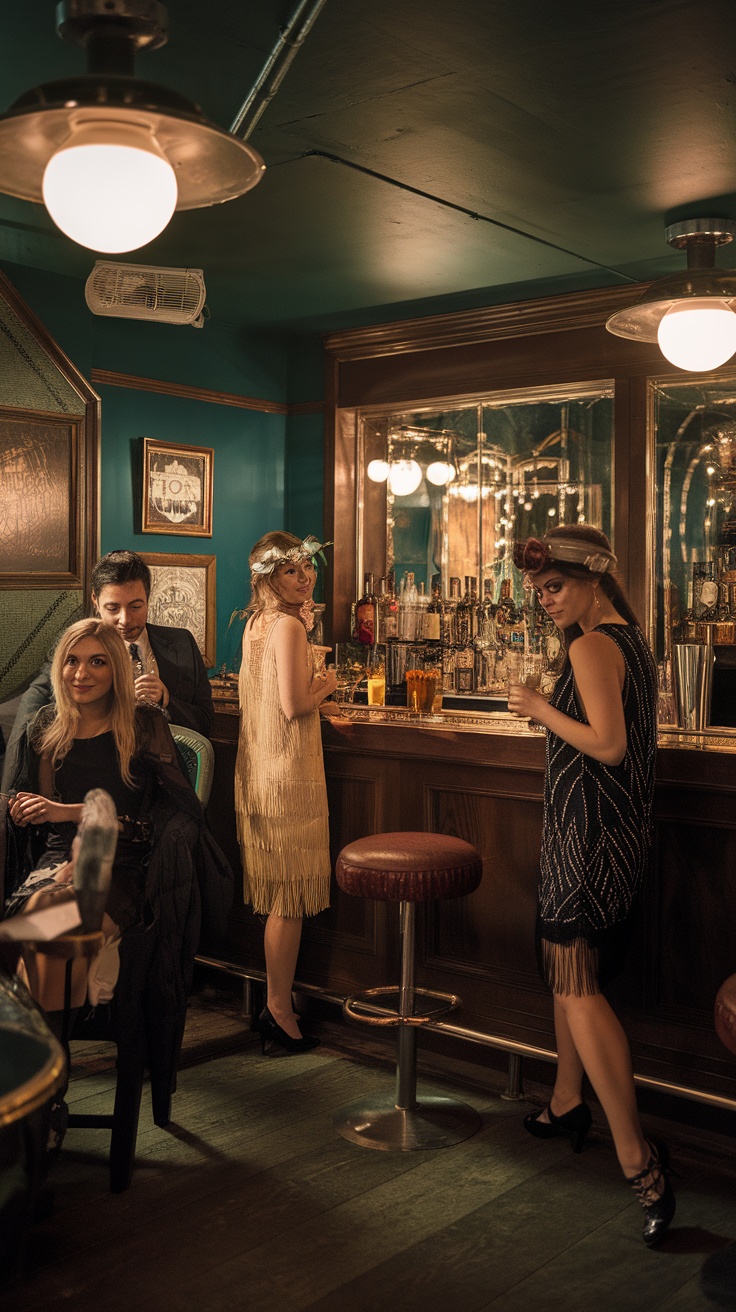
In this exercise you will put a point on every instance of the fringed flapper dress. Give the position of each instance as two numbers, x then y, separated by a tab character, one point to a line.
597	830
280	791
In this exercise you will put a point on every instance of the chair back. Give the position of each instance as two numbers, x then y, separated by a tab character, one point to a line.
199	757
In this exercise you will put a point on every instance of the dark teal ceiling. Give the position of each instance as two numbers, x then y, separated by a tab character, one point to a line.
421	148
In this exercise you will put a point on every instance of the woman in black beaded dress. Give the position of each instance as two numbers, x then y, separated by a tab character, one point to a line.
96	736
599	781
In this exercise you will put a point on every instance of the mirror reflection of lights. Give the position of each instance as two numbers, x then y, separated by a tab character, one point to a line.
441	472
377	471
404	477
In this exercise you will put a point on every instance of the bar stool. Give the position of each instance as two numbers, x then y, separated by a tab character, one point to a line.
406	868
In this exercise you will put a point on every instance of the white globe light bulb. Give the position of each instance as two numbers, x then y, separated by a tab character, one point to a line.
377	471
110	187
440	472
698	334
404	477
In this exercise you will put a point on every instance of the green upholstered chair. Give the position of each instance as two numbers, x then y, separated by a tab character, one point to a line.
198	756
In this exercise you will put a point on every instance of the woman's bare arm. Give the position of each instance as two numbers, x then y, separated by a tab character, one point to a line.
38	808
298	696
35	809
599	670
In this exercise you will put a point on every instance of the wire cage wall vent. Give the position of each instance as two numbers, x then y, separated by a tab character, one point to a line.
143	291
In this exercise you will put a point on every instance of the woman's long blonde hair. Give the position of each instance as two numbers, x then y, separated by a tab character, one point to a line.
56	739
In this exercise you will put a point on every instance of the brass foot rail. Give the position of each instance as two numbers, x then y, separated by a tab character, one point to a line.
513	1047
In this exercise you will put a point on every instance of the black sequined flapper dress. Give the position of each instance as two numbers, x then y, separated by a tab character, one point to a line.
597	828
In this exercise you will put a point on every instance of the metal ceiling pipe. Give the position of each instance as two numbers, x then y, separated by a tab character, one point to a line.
276	67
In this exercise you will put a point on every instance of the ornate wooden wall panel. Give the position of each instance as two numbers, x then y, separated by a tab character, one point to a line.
488	789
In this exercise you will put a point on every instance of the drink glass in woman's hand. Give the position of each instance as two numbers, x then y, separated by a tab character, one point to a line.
319	657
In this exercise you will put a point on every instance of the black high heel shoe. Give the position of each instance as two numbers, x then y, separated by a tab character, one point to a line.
270	1032
574	1125
654	1191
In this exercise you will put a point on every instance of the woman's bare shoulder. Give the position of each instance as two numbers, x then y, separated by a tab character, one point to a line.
595	648
287	628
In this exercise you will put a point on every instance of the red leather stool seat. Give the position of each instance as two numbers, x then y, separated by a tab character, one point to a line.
725	1013
409	867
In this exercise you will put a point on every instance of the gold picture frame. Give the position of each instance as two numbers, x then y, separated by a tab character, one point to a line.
177	489
184	596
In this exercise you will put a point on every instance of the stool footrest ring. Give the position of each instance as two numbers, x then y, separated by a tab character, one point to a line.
356	1006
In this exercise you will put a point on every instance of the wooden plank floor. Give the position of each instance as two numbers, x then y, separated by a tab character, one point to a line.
251	1201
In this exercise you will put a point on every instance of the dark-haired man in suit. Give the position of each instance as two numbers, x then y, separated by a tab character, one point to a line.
174	675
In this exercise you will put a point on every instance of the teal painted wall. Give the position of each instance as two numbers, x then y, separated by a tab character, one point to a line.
250	447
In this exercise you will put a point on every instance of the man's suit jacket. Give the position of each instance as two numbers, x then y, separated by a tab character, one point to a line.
181	670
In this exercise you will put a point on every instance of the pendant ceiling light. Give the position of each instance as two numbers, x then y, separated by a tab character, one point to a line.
112	156
690	313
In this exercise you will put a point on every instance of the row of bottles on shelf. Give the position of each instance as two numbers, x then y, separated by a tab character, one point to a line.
478	641
710	615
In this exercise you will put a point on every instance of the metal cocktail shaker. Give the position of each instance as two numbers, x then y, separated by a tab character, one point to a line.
693	663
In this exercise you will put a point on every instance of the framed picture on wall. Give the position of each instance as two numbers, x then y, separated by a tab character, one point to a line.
41	536
177	488
183	595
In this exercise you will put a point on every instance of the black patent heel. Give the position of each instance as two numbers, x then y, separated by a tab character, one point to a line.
574	1125
654	1191
270	1032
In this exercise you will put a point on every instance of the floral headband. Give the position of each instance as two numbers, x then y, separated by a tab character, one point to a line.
306	550
535	555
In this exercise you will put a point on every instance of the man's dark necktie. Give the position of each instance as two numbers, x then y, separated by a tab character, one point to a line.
135	657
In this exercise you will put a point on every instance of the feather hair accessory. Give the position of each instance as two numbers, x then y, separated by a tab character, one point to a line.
309	549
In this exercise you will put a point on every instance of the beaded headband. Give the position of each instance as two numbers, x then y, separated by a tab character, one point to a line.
535	555
274	556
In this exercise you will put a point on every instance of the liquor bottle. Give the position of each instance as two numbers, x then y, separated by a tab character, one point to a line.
485	640
465	615
364	629
505	611
509	632
434	614
408	607
448	634
486	615
448	668
420	629
465	628
388	610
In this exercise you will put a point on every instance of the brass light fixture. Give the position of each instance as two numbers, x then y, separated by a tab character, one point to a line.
110	155
691	314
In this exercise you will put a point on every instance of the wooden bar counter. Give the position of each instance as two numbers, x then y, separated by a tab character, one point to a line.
486	786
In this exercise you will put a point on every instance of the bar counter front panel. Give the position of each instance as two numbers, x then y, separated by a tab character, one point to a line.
486	787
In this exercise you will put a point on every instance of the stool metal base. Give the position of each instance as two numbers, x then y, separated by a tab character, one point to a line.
434	1123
